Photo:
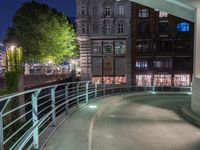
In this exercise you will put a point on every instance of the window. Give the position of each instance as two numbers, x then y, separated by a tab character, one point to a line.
142	64
107	47
120	47
108	80
83	30
108	29
97	80
143	45
96	48
108	67
181	80
120	80
144	27
162	80
163	14
82	10
143	80
120	63
97	66
183	27
163	27
121	28
182	44
143	13
95	28
121	10
108	11
163	64
164	44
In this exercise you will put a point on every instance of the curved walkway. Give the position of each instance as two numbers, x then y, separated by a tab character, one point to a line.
141	122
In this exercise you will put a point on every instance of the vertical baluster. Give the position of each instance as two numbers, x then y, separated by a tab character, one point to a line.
96	88
53	106
86	92
66	98
35	119
77	94
1	132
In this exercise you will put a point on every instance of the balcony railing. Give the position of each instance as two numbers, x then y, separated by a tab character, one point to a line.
26	125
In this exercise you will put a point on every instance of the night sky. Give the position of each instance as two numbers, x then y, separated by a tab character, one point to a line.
9	7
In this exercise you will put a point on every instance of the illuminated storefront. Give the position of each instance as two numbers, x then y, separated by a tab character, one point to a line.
163	80
108	80
182	80
120	80
143	80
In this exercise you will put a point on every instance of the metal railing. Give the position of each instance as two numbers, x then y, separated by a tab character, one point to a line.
23	124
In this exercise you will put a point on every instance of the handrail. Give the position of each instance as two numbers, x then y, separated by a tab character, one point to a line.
22	126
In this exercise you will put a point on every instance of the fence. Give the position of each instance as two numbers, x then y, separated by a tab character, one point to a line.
24	126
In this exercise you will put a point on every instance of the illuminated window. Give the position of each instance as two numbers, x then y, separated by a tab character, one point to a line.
183	27
96	48
163	14
120	47
97	80
141	64
162	80
120	80
143	13
143	80
182	80
108	80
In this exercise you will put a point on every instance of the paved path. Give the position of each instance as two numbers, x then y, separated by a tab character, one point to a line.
146	123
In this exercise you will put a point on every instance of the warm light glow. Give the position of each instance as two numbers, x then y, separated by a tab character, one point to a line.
93	106
50	62
12	48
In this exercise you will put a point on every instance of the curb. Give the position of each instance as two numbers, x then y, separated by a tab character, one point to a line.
191	116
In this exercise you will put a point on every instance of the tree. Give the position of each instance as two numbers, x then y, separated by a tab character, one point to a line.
43	33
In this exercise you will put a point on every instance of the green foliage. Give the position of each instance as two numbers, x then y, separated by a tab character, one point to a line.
43	33
12	79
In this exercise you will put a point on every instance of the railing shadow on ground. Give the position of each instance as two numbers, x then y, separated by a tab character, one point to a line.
29	125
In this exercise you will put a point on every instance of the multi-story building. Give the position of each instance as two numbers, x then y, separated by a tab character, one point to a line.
124	42
162	48
104	35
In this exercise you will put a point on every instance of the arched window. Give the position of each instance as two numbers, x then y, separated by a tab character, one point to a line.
183	27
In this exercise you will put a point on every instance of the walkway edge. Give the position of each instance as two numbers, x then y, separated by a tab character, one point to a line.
191	116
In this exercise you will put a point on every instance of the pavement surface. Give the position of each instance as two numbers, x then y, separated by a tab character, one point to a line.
129	122
146	123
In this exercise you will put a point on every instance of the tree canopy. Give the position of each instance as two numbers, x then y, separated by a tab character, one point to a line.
43	33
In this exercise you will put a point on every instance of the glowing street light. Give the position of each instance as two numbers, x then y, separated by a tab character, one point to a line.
12	47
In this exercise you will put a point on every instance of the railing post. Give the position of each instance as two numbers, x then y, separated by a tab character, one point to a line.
104	89
66	98
53	106
153	88
35	119
1	132
77	94
96	86
145	88
86	92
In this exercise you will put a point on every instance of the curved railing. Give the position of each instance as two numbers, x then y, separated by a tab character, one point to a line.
29	117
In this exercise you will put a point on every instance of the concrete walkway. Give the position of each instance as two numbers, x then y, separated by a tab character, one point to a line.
134	122
146	123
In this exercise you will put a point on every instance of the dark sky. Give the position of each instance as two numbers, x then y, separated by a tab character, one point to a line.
9	7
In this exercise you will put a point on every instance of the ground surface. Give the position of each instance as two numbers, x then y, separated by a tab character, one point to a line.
146	123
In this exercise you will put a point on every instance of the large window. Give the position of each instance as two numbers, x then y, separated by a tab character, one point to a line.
120	28
120	63
163	27
108	29
120	80
183	27
163	64
162	80
108	47
121	10
144	45
97	66
143	13
120	47
163	14
143	80
164	44
96	48
107	11
182	80
97	80
142	64
144	27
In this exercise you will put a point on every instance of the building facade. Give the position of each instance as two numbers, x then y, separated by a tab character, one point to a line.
162	48
124	42
104	35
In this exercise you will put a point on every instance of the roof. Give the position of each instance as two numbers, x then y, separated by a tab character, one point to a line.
185	9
